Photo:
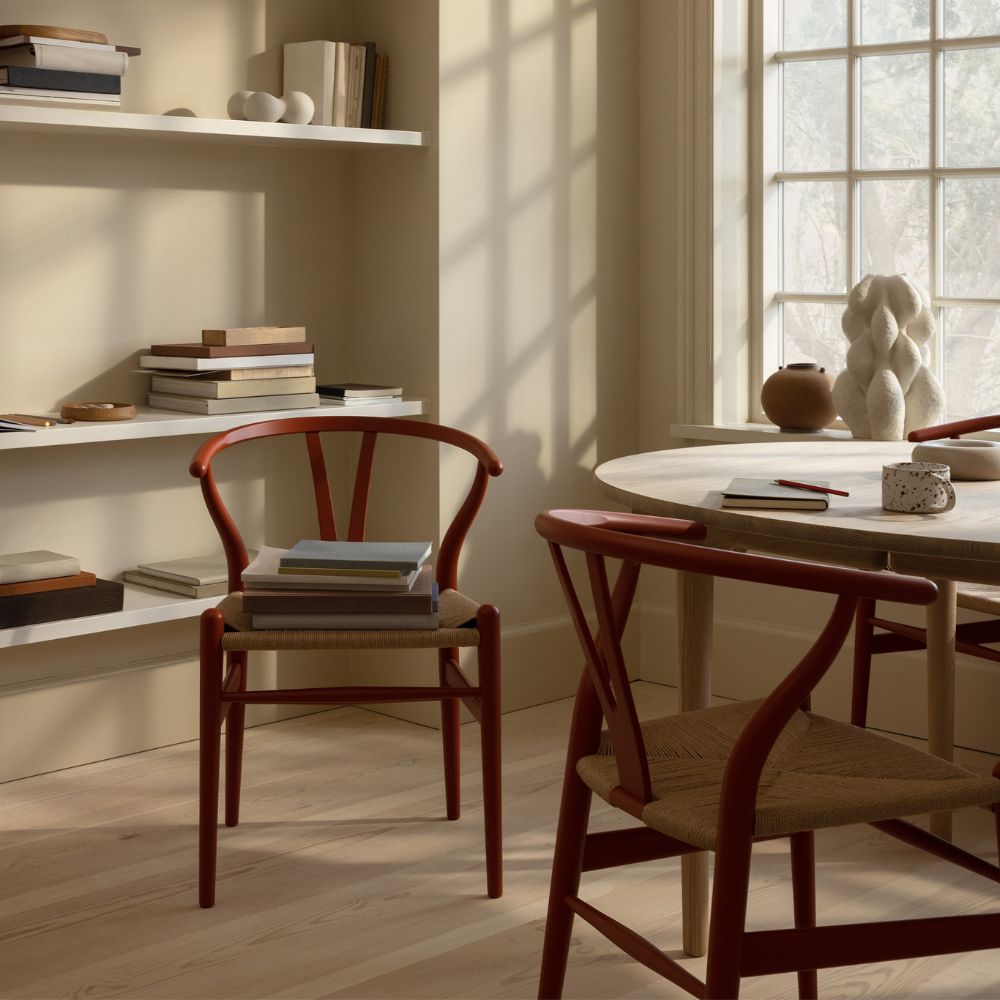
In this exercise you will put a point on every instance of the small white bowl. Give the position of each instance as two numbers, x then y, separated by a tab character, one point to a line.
968	458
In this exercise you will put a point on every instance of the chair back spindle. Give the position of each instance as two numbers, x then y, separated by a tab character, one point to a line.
321	487
362	487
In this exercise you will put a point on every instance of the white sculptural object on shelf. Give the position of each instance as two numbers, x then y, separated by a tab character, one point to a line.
887	389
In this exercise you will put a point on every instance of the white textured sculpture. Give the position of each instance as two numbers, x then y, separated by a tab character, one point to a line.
888	390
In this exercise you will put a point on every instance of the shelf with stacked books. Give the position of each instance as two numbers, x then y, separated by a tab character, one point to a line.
150	423
18	117
142	606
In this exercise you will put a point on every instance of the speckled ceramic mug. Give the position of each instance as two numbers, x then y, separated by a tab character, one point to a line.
917	488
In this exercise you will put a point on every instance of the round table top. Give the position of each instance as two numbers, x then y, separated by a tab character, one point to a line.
687	483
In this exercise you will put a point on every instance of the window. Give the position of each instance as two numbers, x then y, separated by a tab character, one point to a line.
879	152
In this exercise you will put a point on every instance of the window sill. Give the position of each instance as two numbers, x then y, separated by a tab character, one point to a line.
745	432
735	433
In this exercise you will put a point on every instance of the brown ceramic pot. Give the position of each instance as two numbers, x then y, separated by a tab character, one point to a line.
798	398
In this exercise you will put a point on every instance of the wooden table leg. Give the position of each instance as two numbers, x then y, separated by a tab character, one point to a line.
695	593
941	685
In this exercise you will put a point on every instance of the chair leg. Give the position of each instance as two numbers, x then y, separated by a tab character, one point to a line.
210	725
235	720
864	631
804	900
451	740
728	921
488	621
571	838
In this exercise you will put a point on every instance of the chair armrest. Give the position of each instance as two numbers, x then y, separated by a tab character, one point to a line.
633	524
955	428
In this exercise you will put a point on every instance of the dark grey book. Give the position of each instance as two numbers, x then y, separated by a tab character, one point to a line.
32	609
59	79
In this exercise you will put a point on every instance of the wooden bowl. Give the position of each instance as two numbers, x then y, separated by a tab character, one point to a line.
98	411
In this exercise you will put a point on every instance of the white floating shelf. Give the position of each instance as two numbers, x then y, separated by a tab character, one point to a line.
161	423
69	120
142	607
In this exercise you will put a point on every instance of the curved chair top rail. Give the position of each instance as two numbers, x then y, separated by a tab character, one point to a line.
645	538
380	425
955	428
369	428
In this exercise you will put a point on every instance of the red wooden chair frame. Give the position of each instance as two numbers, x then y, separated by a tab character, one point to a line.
224	694
896	637
604	693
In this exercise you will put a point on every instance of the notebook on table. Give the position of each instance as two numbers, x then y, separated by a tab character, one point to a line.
763	494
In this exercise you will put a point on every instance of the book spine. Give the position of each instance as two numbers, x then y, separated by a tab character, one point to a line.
247	336
361	621
53	79
36	93
309	68
290	604
61	57
368	89
211	351
340	84
104	597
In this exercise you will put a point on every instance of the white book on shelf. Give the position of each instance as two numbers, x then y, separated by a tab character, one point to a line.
14	40
224	364
63	57
33	93
309	67
245	404
40	564
340	83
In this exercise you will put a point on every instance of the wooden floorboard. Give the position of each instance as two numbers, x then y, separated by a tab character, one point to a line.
344	880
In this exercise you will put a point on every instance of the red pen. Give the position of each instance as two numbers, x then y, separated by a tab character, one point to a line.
809	486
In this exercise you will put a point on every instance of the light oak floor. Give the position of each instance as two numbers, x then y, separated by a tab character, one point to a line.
343	880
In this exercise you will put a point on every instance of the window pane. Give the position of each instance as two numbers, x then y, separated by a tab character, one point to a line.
811	332
815	125
814	24
895	111
972	361
972	237
894	20
814	222
895	229
971	17
971	109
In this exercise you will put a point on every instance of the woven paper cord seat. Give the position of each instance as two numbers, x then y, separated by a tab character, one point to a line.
983	597
455	610
821	773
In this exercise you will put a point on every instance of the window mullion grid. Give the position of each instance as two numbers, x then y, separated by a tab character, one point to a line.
853	248
936	235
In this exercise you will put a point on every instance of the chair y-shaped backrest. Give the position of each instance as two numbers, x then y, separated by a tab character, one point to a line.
639	540
369	428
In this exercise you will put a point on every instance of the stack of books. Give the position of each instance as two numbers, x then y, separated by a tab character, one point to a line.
195	576
43	586
359	393
346	81
238	370
65	67
342	585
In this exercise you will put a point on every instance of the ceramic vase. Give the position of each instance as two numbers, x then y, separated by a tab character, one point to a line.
887	389
798	398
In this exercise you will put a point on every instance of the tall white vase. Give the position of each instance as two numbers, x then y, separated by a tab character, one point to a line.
888	390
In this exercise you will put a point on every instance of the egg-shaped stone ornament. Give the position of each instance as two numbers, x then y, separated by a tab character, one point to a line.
299	108
235	106
263	107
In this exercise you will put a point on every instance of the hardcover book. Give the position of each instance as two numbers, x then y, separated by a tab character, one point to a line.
223	364
262	574
59	79
346	621
104	597
246	404
19	567
193	570
358	390
420	599
401	557
38	93
173	587
218	389
43	586
763	494
222	351
241	336
79	60
309	67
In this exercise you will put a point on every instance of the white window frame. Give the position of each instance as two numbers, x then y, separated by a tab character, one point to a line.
765	175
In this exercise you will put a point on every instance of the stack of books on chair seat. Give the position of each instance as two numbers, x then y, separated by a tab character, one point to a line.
195	576
44	586
43	65
237	370
342	585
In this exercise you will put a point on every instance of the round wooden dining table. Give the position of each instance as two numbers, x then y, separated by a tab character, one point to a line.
960	545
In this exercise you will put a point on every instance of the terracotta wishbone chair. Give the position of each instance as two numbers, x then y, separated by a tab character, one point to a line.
971	638
720	779
227	636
